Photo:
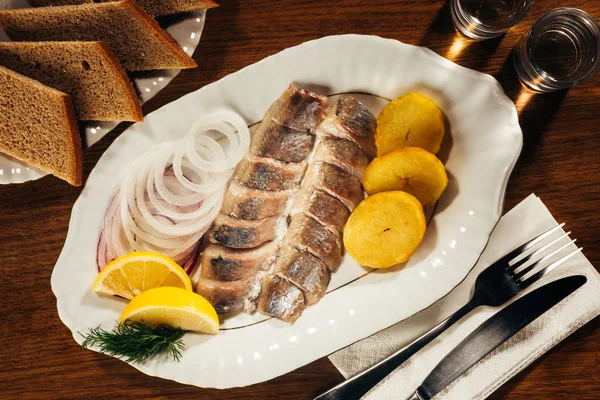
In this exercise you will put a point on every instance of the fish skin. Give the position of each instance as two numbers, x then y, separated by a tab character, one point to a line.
225	264
326	209
229	297
297	108
282	143
340	184
270	175
281	299
349	119
306	271
245	203
344	154
306	233
242	234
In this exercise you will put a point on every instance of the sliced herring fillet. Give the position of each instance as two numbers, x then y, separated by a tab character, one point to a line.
335	181
299	109
241	233
349	119
258	195
245	203
267	174
281	299
305	233
224	264
312	247
228	297
306	271
323	207
280	142
344	154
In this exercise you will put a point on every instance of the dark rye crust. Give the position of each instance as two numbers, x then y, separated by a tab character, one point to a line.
125	81
152	24
155	8
75	140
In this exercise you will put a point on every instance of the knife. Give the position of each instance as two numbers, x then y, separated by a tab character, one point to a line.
495	331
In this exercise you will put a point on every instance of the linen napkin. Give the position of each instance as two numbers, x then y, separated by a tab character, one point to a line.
525	221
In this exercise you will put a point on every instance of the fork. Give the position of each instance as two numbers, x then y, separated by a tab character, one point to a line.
494	286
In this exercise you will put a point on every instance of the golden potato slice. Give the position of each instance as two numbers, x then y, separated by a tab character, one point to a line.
385	229
410	169
412	120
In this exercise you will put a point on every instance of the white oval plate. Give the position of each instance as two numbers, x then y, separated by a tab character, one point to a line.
185	31
481	148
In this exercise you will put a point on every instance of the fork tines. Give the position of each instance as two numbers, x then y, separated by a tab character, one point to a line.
536	252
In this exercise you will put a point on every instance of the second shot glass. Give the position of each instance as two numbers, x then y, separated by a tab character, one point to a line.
561	50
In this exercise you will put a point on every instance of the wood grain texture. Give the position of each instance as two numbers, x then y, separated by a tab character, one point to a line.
40	360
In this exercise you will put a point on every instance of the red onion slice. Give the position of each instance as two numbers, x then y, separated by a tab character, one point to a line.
101	251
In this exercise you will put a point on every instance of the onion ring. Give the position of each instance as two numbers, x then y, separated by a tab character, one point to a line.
170	194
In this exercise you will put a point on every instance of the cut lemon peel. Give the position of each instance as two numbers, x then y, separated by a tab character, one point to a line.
176	307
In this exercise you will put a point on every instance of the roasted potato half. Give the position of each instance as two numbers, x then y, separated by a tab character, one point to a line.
410	169
412	120
385	229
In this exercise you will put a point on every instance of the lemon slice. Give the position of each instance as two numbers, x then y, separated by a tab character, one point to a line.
176	307
137	272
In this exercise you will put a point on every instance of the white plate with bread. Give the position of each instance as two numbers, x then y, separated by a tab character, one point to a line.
93	64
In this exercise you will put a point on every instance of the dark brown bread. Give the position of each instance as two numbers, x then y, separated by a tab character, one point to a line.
44	3
156	8
88	71
134	36
38	126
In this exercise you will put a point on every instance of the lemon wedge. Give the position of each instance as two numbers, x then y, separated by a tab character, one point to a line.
137	272
175	307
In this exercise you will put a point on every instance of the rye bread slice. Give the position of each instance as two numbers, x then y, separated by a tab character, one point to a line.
38	126
44	3
88	71
156	8
134	36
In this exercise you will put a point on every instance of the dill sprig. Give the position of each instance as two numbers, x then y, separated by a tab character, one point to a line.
136	342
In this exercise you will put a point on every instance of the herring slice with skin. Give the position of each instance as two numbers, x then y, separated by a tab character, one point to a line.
306	271
266	174
225	264
335	181
245	203
242	233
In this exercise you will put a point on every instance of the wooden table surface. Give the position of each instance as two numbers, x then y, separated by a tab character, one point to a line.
559	162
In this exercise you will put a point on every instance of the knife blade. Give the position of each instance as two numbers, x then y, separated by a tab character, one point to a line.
495	331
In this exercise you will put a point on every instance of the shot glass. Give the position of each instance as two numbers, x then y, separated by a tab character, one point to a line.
561	50
486	19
